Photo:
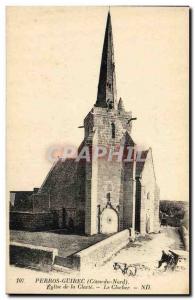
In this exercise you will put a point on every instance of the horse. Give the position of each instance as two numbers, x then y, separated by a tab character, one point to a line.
129	270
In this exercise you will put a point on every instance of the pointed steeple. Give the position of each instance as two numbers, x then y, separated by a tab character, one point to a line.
106	96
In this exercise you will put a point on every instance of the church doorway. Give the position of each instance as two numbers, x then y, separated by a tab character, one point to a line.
108	221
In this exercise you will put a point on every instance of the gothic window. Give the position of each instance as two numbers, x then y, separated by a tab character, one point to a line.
148	195
113	130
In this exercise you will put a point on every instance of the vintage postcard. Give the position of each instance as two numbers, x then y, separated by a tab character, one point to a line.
98	150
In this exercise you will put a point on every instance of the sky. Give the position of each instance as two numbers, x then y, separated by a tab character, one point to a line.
53	62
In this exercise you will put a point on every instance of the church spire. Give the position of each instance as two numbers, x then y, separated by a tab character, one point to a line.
106	96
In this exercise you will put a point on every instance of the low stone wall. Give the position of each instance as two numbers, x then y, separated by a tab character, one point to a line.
100	252
37	257
43	258
185	237
71	262
32	221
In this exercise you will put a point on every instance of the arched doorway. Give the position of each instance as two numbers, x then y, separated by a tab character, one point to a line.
108	221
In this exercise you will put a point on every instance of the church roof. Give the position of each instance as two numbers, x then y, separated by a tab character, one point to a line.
127	140
107	82
62	173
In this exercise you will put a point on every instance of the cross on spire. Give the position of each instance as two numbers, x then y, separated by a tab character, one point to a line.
106	96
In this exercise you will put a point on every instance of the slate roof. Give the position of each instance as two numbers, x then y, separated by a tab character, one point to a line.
61	174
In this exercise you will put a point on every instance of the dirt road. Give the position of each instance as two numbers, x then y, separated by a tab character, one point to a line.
148	250
145	254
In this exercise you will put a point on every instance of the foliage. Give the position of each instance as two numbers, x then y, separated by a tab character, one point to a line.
173	211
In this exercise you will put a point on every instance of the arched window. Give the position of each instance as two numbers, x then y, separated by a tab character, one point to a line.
148	195
109	104
113	130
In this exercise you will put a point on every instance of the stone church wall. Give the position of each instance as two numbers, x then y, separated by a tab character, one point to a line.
109	181
104	176
156	209
90	221
149	197
41	202
66	187
129	186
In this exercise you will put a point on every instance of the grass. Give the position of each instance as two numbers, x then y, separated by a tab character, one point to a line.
66	244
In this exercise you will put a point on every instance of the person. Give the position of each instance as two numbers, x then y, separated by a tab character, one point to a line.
170	260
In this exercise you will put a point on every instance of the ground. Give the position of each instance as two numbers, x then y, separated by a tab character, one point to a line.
147	251
66	244
145	254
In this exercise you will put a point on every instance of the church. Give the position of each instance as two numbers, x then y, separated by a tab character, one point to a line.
104	194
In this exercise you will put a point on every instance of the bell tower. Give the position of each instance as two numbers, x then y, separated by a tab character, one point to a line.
107	125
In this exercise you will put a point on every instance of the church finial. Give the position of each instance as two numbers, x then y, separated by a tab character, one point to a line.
106	96
121	105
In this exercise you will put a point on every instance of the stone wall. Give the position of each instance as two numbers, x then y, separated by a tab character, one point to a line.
65	186
105	175
91	190
149	197
97	254
41	202
156	209
129	194
33	221
37	257
185	237
21	201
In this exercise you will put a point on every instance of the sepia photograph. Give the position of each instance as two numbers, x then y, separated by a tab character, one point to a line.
97	150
